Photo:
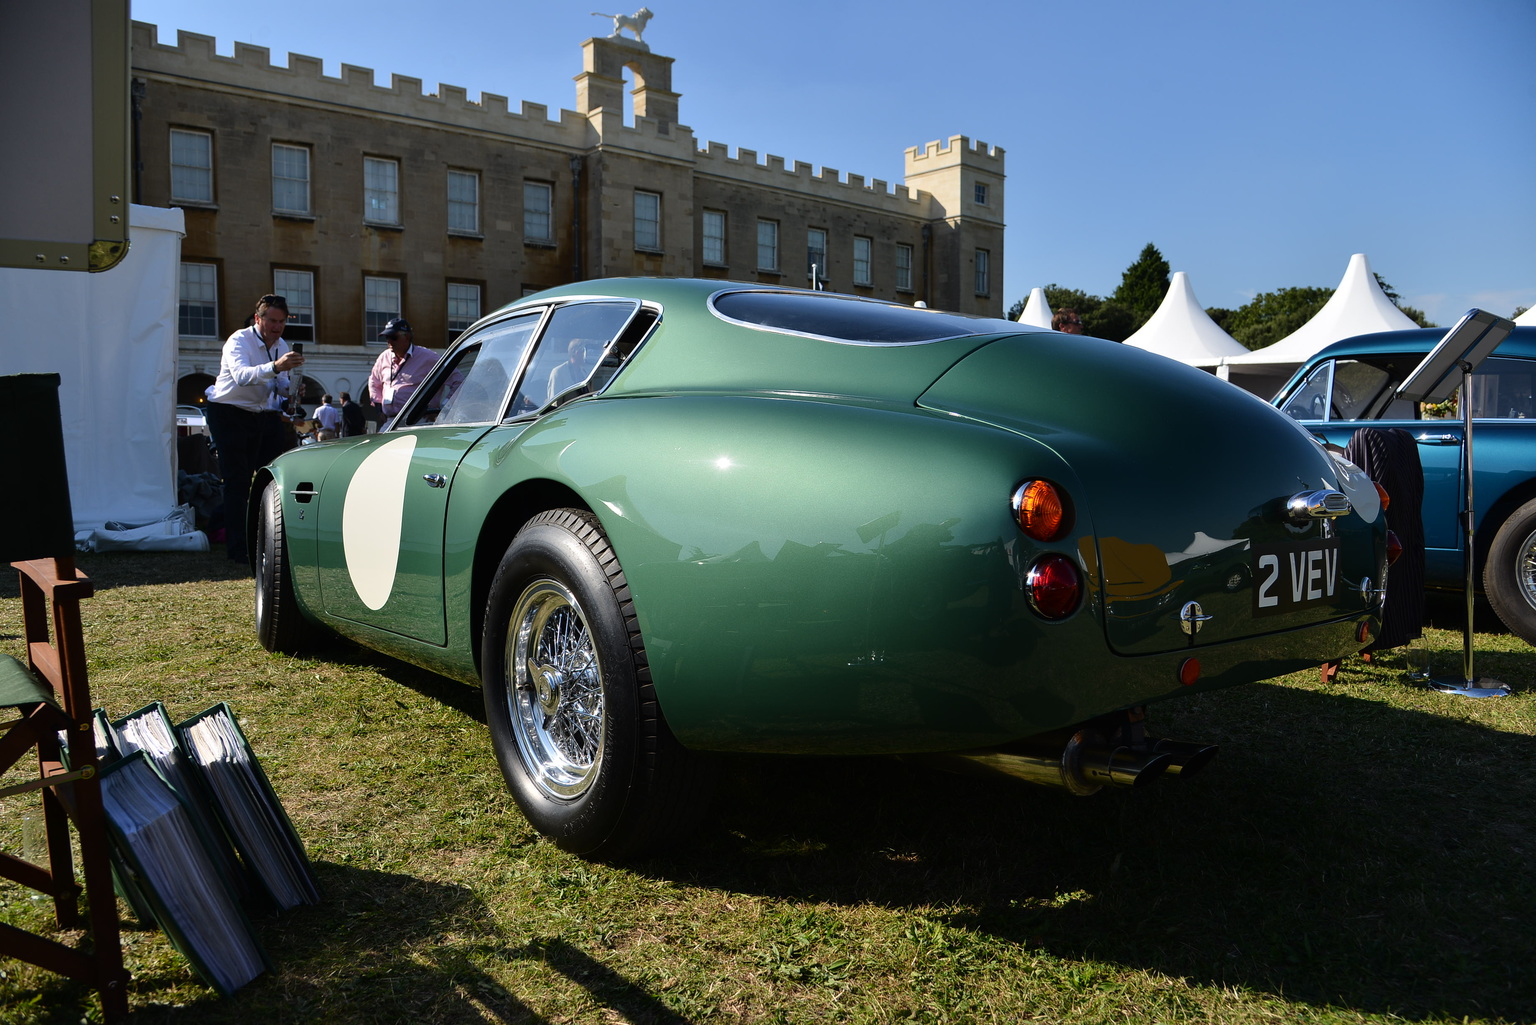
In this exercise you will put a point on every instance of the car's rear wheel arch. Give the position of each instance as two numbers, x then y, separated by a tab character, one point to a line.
1499	510
502	521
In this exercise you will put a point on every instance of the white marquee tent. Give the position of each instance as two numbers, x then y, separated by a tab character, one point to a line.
1036	311
111	338
1358	306
1182	330
1528	318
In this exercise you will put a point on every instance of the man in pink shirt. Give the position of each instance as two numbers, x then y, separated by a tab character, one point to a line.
400	369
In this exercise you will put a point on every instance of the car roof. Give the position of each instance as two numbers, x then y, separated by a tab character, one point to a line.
1521	342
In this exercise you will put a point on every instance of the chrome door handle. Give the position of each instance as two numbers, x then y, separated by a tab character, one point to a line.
1438	439
435	480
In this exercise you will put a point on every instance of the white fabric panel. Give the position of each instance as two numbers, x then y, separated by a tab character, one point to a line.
1037	310
1181	329
111	338
1358	307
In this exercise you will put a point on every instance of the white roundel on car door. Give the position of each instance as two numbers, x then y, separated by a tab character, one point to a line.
371	518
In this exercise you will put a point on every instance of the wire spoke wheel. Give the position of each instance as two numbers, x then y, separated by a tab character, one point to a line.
556	694
569	701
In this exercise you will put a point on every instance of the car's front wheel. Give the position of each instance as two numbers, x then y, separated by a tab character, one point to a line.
568	696
280	626
1509	575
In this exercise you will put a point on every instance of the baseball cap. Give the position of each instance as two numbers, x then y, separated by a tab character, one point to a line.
395	326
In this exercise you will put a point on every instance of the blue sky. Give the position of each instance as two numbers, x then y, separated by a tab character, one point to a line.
1257	143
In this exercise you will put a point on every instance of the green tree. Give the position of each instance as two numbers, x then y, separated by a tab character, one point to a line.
1417	316
1143	285
1270	316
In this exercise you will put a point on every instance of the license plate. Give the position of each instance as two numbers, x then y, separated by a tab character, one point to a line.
1295	576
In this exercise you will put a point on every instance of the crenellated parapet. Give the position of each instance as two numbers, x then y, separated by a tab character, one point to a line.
775	173
194	57
957	151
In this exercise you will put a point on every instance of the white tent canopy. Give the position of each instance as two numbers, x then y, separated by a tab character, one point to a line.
1182	330
1357	307
1036	311
1526	319
111	338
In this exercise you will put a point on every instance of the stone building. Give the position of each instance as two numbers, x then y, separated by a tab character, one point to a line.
360	203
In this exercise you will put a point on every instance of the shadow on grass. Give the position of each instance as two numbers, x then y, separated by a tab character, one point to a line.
461	697
381	948
1340	852
134	569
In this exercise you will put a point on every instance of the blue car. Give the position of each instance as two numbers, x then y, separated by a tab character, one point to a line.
1352	383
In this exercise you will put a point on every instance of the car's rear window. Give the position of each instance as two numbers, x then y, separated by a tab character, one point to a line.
843	318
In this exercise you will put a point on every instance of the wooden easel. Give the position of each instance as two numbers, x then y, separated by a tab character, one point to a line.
70	793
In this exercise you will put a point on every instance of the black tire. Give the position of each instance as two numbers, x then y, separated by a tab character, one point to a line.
1509	575
569	702
280	625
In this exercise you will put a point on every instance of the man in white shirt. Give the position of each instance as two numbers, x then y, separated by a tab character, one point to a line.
247	430
329	418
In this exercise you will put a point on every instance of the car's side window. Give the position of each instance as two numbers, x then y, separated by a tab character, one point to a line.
1361	391
472	387
570	351
1310	399
1501	389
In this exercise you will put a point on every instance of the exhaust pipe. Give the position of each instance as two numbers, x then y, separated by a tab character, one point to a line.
1185	758
1083	765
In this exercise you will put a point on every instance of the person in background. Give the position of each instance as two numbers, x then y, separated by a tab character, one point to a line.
576	368
329	418
400	369
243	416
1067	321
354	420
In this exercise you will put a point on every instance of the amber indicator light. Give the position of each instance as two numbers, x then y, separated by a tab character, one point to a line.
1040	510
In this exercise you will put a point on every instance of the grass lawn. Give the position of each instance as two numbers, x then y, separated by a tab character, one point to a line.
1356	854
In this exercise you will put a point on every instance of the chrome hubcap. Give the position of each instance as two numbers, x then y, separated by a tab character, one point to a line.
555	697
1525	569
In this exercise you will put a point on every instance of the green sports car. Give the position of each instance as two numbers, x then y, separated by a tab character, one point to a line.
657	519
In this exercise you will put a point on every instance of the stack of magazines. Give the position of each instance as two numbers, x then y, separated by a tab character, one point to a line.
198	834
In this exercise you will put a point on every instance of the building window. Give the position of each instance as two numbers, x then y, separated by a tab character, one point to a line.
191	167
714	237
464	202
538	204
981	194
768	245
381	301
197	308
903	267
298	287
816	255
463	308
861	251
983	272
290	179
648	221
381	191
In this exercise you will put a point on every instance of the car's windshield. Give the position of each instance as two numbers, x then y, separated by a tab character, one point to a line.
1365	389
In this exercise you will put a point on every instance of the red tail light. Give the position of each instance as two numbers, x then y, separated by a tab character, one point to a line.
1041	510
1386	499
1394	547
1054	586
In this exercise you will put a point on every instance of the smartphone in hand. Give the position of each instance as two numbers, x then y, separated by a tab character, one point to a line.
297	347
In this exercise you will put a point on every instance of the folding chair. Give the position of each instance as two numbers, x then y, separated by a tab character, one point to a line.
50	694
